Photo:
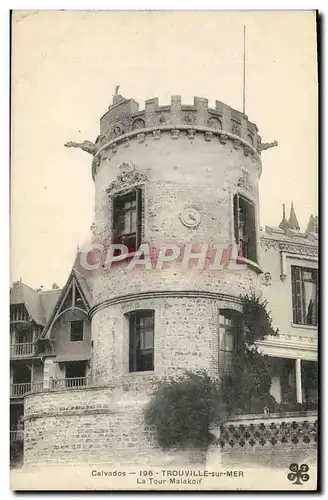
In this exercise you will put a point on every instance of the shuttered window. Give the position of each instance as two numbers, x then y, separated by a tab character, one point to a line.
305	295
244	227
126	228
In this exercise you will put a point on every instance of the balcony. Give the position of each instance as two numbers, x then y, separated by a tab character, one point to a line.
70	383
19	390
22	350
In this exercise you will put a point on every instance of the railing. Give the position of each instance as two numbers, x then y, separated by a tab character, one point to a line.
16	436
70	383
270	430
26	349
19	390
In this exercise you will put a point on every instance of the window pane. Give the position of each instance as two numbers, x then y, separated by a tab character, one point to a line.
307	275
127	206
133	227
141	341
76	331
227	342
223	320
310	292
127	224
225	362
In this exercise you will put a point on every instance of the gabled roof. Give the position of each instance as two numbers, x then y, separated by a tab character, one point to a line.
42	305
84	291
49	299
21	293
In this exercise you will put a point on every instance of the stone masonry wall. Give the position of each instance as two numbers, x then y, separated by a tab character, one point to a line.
86	425
94	426
185	336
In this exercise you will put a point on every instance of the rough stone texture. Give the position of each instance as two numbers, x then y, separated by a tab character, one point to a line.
100	425
186	337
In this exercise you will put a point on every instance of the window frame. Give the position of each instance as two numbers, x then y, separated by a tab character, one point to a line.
83	329
135	353
118	236
231	315
252	244
299	296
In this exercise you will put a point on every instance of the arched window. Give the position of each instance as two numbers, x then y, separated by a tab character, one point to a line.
244	226
141	340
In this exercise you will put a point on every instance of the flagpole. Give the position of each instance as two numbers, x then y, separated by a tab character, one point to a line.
244	71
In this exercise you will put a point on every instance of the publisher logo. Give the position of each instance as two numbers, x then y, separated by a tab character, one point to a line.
298	474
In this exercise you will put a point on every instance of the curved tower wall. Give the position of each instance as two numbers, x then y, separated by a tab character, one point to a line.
183	159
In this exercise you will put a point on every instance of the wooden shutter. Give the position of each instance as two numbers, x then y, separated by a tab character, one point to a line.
297	295
132	343
139	217
236	217
251	231
115	218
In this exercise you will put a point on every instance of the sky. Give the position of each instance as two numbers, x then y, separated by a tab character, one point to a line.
65	66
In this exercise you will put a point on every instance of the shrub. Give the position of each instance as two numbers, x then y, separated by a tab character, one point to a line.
182	410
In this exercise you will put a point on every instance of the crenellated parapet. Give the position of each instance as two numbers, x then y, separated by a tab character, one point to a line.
124	122
124	116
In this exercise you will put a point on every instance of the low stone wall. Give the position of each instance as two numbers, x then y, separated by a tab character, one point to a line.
274	440
94	425
84	425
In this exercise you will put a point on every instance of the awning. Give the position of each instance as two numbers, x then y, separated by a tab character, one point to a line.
64	358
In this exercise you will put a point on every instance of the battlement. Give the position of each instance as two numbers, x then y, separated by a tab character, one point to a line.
124	116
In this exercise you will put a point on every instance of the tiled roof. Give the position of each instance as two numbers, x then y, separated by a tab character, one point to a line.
289	236
21	293
49	299
41	304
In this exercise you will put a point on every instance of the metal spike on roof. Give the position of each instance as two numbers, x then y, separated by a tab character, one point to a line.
312	226
284	225
292	221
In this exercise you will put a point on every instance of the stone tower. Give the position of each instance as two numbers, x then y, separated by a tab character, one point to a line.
177	174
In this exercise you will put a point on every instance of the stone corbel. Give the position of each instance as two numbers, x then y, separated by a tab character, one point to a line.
175	133
236	144
191	134
223	138
141	137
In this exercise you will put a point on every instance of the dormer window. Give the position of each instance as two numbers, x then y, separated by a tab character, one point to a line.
126	229
244	227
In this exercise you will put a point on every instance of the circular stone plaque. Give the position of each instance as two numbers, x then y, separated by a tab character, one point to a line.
190	217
